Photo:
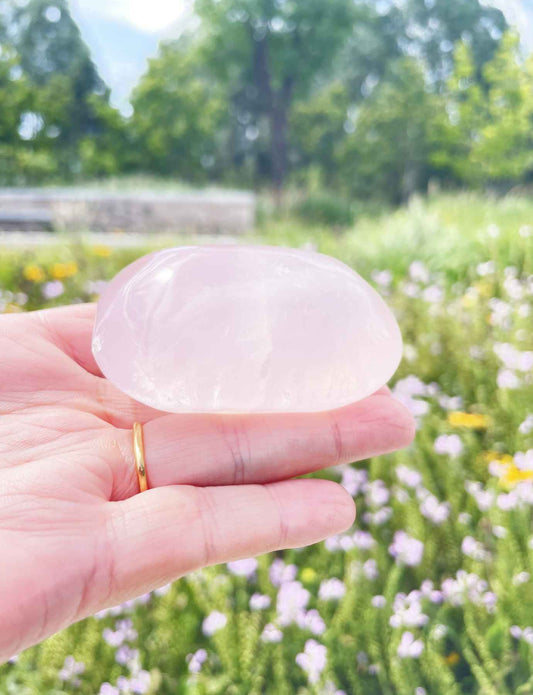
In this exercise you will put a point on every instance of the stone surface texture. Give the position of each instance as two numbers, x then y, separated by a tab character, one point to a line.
244	329
77	209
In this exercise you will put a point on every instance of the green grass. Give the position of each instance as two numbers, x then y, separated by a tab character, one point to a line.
451	321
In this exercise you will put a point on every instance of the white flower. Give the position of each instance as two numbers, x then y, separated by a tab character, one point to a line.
378	601
433	294
524	460
312	621
484	498
313	660
379	517
370	569
521	578
439	631
409	648
449	444
259	602
527	426
214	622
450	402
377	494
331	589
408	476
473	549
406	550
418	272
363	540
408	611
487	268
196	660
243	568
383	278
291	602
499	531
464	587
507	379
271	633
527	634
437	512
353	480
279	572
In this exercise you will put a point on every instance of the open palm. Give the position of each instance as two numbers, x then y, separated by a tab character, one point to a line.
75	535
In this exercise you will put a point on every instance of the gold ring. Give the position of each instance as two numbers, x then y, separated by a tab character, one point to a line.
138	452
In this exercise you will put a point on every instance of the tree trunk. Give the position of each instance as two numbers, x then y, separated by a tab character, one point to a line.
278	146
275	103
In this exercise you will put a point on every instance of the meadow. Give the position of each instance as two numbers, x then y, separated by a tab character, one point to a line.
431	591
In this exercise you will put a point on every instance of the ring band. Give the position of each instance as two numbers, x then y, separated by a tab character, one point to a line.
138	453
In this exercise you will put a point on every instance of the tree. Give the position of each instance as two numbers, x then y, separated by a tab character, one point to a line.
485	133
387	153
434	27
70	102
178	114
318	125
270	53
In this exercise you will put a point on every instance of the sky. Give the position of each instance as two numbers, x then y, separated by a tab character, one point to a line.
153	16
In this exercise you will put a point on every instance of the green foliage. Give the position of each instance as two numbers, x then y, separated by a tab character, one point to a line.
448	310
325	209
372	99
484	136
387	152
179	116
269	54
436	26
56	121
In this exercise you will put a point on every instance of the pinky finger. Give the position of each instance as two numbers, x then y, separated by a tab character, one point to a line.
166	532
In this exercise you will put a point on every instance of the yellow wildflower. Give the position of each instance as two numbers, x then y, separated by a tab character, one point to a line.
71	268
34	273
102	251
490	456
60	271
473	421
470	298
308	575
510	474
452	659
514	475
12	309
485	288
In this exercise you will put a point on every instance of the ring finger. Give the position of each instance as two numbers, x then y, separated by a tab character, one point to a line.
206	450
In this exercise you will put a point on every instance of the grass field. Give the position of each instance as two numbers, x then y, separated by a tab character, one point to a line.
431	591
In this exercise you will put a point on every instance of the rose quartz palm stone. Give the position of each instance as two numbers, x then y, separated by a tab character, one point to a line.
244	329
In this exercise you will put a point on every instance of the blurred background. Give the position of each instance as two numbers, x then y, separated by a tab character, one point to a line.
365	99
396	135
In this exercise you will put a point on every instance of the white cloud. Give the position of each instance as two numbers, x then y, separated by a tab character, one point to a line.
152	16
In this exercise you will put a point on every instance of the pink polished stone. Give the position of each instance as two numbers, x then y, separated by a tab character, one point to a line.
244	329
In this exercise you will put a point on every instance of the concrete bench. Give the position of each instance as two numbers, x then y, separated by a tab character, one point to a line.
26	220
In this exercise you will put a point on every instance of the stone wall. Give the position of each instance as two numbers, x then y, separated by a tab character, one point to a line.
81	210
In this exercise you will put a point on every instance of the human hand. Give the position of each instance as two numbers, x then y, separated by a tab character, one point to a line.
75	534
